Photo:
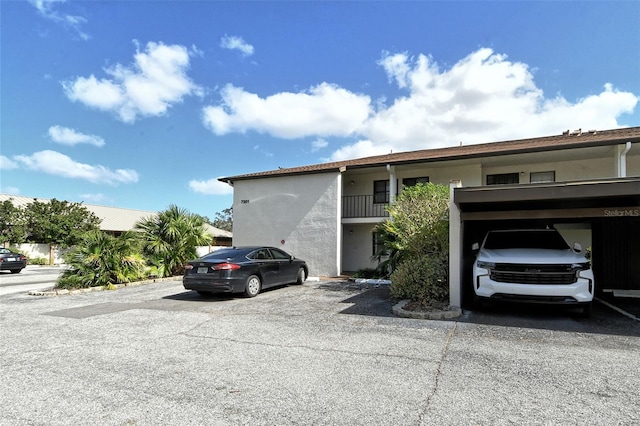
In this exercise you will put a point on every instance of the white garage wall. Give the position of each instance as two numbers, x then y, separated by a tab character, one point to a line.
296	213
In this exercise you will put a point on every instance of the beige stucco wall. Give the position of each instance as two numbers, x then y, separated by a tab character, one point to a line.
596	168
358	247
299	214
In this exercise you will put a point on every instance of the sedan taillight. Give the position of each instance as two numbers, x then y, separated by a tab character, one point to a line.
226	267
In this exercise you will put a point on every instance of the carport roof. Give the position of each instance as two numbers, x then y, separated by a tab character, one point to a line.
567	140
592	198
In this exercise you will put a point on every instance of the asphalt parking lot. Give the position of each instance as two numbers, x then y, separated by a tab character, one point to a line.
325	353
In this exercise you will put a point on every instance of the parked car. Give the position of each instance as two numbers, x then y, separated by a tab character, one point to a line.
532	265
12	261
245	270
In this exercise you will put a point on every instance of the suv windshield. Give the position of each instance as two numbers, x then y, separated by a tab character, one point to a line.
537	239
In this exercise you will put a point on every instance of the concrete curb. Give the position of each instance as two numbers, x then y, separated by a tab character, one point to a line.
62	292
450	312
371	281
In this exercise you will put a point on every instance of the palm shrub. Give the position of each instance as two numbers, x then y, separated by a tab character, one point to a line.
417	236
102	260
169	239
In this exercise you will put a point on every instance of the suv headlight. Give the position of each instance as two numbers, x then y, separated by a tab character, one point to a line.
485	265
581	266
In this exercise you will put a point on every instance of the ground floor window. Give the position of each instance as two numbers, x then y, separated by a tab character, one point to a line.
378	244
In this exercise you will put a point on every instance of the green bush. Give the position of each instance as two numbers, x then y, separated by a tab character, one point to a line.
103	260
366	273
38	261
421	279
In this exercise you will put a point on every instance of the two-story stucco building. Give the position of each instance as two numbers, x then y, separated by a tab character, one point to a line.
586	184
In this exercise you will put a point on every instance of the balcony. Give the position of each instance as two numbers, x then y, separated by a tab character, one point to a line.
362	206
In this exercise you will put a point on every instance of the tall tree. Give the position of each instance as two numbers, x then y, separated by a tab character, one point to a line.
224	220
12	223
59	222
169	239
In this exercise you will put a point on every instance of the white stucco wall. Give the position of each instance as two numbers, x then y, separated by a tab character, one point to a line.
299	214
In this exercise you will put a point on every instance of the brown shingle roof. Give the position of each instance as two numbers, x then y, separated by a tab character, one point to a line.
548	143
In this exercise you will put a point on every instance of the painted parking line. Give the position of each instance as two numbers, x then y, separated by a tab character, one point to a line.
617	309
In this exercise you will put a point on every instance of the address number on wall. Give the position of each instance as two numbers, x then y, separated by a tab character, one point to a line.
244	201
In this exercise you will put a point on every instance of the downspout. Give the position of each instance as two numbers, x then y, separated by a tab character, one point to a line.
392	183
622	159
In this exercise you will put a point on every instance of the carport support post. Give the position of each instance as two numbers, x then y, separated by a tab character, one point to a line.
455	248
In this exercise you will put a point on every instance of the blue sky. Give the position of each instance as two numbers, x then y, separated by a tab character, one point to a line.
143	104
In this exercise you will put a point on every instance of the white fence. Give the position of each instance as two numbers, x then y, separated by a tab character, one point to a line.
44	251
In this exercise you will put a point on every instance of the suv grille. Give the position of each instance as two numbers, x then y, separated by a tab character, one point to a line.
534	274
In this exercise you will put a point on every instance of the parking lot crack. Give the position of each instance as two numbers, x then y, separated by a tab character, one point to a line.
189	333
436	382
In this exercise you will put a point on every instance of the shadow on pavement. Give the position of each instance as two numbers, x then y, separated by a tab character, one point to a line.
194	296
371	300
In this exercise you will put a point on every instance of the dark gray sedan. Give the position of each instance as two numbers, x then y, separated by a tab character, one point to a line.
12	261
243	270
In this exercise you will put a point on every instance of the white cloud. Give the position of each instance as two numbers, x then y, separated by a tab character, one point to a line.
47	9
210	187
67	136
7	164
11	190
318	144
363	148
484	97
54	163
149	87
236	43
324	110
93	198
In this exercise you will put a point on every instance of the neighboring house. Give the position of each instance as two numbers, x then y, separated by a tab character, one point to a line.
116	220
587	184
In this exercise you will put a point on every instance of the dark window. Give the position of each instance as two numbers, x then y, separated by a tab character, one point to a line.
279	254
378	243
415	181
260	255
503	179
380	191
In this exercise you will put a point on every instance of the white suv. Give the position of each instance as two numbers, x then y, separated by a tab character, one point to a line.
532	265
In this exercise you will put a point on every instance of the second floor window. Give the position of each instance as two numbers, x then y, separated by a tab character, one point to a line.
415	181
503	179
380	191
540	177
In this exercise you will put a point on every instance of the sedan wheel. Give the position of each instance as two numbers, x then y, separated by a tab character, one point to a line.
252	288
301	276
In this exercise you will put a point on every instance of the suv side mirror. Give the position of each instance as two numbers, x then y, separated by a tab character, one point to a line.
475	246
577	247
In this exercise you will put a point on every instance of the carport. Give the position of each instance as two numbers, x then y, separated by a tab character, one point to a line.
604	213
